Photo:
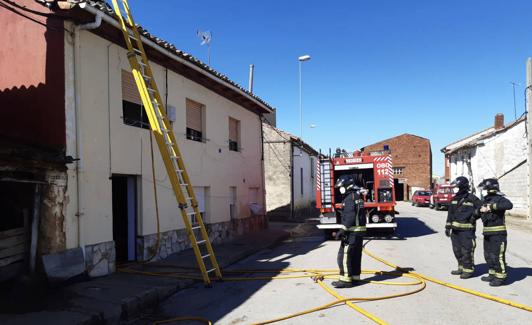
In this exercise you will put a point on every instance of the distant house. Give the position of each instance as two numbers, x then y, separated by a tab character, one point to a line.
412	162
290	175
499	151
79	133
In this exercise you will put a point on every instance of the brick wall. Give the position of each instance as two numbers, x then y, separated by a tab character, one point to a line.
413	153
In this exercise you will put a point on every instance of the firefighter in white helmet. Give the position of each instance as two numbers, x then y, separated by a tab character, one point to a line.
351	233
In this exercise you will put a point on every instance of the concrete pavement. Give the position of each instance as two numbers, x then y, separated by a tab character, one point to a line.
419	243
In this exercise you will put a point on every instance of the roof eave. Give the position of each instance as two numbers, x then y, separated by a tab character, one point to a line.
259	107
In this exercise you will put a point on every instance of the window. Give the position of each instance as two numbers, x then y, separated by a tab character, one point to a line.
232	202
398	170
201	194
195	121
234	134
301	179
133	112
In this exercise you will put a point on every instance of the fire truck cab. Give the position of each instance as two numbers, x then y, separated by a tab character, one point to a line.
376	175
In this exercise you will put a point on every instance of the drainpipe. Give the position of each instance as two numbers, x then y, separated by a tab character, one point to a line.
93	25
292	196
35	227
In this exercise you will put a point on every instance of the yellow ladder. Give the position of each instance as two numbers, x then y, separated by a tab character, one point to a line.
160	126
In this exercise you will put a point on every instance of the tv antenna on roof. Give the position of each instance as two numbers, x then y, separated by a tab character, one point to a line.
206	37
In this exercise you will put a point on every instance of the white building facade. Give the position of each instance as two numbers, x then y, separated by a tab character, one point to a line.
290	175
111	210
499	152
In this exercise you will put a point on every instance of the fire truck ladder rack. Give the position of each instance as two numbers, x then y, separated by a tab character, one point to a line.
173	160
326	194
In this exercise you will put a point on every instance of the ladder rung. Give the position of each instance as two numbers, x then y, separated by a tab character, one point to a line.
183	184
191	213
145	76
137	50
196	227
211	270
205	256
174	157
201	242
133	38
151	90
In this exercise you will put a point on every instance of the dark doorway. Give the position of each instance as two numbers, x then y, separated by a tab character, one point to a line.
124	217
399	190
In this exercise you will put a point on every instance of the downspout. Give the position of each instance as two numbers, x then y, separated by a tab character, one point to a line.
93	25
291	180
263	170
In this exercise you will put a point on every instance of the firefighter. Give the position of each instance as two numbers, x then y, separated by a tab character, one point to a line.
461	221
494	205
351	233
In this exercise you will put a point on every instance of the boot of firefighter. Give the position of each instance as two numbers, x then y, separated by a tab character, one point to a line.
496	282
457	271
342	284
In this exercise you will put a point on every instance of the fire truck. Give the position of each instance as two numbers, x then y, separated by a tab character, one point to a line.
375	172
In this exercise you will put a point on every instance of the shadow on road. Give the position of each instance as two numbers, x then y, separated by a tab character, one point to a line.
515	274
217	302
407	227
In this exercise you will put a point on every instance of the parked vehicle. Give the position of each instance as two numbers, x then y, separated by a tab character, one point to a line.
442	196
376	174
421	198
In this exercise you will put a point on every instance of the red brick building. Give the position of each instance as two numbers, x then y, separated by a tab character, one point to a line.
412	162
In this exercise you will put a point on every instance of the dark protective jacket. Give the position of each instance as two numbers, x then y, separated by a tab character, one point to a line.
494	220
463	212
353	217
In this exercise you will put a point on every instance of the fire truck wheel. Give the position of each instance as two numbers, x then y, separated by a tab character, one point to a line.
436	206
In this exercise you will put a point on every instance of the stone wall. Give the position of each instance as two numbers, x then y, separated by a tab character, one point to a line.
174	241
100	259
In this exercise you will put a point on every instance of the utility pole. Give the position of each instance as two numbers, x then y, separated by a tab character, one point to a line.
528	99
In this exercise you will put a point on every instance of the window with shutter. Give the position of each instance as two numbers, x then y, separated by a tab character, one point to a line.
234	134
133	112
195	113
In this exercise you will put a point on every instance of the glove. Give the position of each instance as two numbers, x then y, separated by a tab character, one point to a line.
448	232
485	208
339	234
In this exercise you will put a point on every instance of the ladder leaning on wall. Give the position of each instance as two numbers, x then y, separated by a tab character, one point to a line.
173	160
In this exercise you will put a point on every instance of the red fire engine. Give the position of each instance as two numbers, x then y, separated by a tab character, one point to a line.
376	175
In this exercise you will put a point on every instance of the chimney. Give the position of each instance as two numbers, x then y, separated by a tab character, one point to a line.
499	121
251	70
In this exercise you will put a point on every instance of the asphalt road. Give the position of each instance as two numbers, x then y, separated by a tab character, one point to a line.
419	243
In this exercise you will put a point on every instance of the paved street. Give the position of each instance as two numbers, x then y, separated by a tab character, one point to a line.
420	243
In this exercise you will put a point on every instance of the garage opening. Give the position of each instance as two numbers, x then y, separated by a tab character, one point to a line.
16	206
125	217
399	190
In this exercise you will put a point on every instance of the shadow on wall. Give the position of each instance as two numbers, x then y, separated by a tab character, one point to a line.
283	213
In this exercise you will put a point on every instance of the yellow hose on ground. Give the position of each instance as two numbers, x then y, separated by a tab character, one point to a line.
318	275
452	286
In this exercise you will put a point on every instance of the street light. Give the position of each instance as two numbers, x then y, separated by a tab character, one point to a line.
301	59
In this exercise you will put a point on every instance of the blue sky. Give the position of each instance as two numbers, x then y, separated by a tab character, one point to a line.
437	69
